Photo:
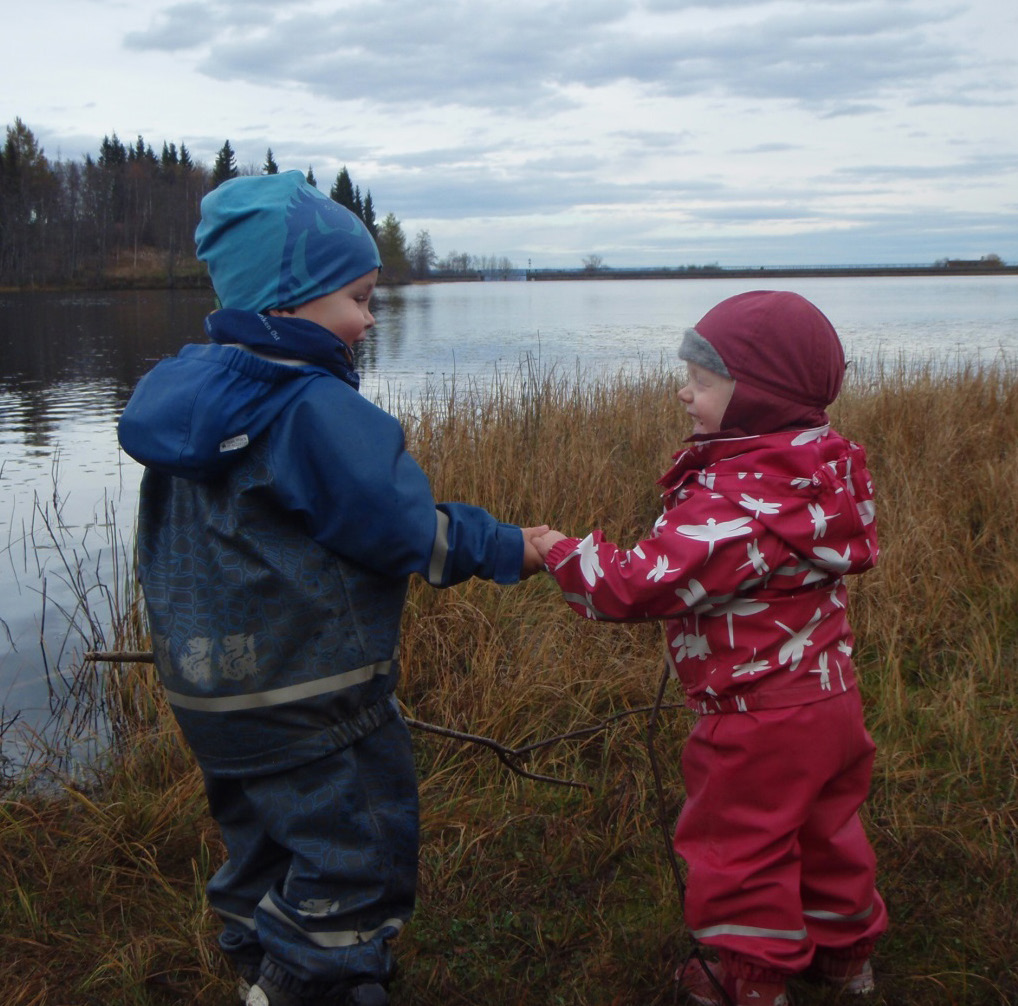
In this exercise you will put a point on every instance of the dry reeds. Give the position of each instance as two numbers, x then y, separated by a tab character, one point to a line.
532	894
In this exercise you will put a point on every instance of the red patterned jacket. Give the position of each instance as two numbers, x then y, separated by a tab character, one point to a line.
747	564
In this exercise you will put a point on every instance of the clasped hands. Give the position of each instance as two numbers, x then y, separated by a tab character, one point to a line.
537	542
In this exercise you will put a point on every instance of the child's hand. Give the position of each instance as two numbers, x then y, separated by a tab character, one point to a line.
544	542
533	561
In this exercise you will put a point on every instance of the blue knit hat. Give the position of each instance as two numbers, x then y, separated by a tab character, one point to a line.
276	241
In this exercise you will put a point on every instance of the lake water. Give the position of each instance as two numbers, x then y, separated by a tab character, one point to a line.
68	363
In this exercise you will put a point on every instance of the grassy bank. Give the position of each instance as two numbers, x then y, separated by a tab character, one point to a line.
536	894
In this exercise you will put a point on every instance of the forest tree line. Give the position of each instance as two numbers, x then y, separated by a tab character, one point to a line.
76	222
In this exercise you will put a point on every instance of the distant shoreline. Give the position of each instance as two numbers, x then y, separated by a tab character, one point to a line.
779	272
125	280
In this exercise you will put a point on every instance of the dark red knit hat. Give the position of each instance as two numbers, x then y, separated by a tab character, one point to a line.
784	355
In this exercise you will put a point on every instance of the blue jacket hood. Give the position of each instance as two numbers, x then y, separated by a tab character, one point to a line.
193	414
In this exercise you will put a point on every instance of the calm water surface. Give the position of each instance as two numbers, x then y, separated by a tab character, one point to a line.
68	364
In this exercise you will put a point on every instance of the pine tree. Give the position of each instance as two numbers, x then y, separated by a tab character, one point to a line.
369	216
110	189
112	152
225	166
311	180
270	167
141	153
27	186
169	160
342	190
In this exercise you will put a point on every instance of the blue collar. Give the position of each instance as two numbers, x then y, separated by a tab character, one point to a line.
283	336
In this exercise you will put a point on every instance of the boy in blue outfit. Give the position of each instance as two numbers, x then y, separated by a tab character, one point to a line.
279	521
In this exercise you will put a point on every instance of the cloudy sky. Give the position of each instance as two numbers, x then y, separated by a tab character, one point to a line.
648	132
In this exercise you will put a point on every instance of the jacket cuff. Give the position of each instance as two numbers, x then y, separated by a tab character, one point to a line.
559	551
508	554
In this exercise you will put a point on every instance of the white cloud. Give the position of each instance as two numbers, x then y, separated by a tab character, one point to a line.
649	131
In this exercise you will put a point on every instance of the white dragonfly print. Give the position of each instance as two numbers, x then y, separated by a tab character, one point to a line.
849	477
696	598
845	648
757	505
740	606
819	519
590	561
713	531
829	558
794	649
693	594
824	671
756	559
751	667
690	645
867	512
660	569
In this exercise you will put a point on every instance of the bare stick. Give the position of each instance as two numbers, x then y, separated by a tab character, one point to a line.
119	657
504	754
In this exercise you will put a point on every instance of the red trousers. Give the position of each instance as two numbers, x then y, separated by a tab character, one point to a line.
779	864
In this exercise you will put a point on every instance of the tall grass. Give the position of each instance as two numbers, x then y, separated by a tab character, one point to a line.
534	894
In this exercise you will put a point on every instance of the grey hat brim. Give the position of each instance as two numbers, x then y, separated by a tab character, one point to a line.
697	350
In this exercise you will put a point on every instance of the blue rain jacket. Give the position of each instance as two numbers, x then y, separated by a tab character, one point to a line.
279	521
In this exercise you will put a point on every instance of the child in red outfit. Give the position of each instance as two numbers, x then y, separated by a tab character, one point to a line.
764	516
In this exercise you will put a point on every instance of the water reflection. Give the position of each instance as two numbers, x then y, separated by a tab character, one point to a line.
69	362
50	338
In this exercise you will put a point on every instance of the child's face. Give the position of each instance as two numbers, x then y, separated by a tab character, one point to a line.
706	396
344	312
